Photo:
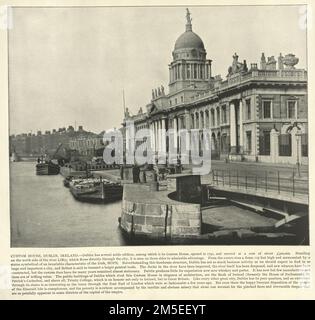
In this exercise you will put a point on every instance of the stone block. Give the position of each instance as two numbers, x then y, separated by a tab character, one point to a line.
126	226
195	222
137	228
139	219
181	231
180	222
168	230
153	209
130	206
147	229
158	229
185	208
140	209
155	221
127	217
164	209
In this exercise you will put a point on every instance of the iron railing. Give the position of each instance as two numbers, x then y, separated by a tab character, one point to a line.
278	182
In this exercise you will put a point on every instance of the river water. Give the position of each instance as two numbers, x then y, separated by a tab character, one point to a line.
44	213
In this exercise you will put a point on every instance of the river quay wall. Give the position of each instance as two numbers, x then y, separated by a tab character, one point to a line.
155	215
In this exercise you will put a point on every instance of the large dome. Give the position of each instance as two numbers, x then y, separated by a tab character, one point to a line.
189	39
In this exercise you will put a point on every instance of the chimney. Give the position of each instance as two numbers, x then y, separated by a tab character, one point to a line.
263	62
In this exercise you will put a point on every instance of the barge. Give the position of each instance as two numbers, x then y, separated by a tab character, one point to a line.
94	190
47	168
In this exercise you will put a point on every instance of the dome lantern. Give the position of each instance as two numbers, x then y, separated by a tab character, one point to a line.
190	66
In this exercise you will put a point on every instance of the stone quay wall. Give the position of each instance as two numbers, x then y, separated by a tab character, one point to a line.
168	219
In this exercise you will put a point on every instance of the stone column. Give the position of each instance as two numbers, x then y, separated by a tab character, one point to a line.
274	145
241	142
152	137
232	128
157	136
127	139
296	144
175	133
163	136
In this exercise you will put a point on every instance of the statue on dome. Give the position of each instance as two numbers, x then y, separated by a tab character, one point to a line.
189	19
153	96
159	91
162	90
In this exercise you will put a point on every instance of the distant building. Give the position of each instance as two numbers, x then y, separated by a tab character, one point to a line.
37	144
87	145
258	113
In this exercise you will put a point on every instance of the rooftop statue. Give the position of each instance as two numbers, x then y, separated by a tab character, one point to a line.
189	19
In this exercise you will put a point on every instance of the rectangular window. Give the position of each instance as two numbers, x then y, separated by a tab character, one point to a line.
291	109
218	116
224	143
266	109
249	142
212	118
248	109
264	143
188	71
224	116
304	143
182	123
195	71
285	146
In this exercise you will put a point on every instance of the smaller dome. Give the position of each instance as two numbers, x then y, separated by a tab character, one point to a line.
189	39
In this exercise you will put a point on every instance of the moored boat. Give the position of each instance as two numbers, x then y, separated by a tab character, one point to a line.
96	190
47	168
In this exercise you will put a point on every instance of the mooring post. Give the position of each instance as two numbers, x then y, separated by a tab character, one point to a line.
246	181
237	178
256	182
223	177
229	178
266	184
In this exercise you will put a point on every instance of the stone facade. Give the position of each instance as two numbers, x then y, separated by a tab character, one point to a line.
87	145
258	113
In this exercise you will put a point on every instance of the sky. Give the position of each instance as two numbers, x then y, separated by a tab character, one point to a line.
69	66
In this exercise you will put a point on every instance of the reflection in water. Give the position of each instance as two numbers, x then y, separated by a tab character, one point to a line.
44	214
